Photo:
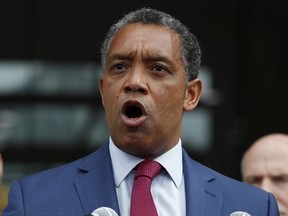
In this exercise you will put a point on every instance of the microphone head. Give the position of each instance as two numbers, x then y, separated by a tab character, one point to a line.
104	211
239	213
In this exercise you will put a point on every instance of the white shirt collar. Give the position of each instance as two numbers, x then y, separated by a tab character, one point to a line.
123	163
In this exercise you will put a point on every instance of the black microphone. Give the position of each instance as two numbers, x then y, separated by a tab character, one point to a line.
103	211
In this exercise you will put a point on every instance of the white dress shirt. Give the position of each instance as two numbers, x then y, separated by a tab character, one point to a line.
168	188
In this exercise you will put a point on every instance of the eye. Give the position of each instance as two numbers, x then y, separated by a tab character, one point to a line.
281	179
159	69
118	68
254	180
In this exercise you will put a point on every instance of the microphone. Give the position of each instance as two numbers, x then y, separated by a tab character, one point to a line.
103	211
239	213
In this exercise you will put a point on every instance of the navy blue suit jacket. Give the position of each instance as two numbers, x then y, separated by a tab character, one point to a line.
79	187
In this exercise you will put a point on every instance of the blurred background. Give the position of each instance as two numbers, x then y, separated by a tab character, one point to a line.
50	109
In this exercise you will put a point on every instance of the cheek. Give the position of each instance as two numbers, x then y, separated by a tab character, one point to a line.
110	96
170	101
110	90
284	188
174	97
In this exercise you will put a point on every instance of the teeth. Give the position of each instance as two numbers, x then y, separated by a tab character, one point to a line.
133	112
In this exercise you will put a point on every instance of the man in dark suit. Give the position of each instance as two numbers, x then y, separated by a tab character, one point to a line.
150	65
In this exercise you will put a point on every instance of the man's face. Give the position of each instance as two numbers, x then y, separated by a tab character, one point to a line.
266	166
144	91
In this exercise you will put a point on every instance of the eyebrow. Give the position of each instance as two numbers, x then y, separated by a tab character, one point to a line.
119	56
149	58
251	177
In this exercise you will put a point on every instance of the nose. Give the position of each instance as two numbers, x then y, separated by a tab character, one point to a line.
267	185
136	82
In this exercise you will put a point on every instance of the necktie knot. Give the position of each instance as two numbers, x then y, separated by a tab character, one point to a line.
148	168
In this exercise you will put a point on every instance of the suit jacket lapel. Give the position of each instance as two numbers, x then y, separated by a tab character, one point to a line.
203	195
96	187
95	183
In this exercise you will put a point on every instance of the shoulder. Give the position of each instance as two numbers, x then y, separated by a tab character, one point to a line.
53	175
234	194
68	171
211	176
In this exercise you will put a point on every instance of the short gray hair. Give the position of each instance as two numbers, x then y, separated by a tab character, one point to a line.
190	49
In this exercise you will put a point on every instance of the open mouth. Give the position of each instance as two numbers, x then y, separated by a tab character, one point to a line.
133	112
133	109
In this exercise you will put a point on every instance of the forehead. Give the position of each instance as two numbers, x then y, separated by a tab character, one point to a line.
270	148
146	37
267	157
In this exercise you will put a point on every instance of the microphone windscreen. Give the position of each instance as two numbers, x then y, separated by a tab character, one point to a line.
239	213
104	211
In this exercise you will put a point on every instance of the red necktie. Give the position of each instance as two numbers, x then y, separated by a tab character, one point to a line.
142	203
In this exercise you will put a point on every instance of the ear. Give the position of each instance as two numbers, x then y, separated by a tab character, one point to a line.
101	90
192	94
